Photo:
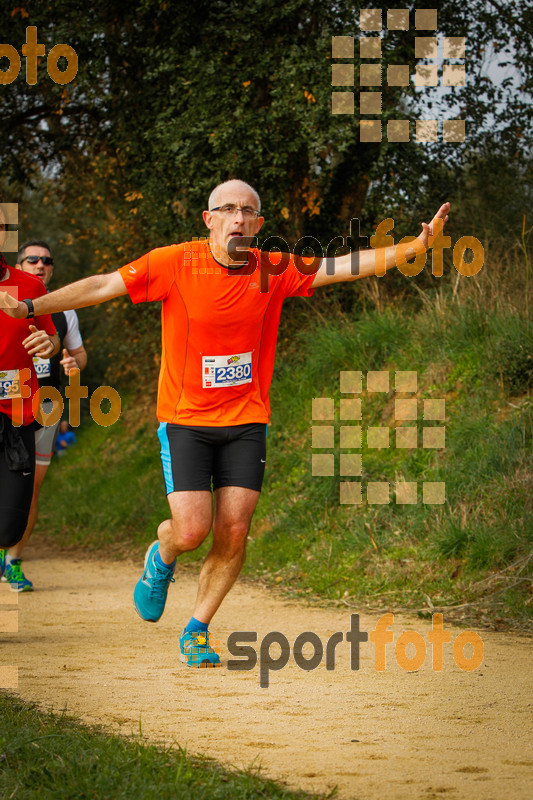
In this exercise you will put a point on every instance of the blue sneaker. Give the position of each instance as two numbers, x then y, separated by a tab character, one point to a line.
12	573
3	554
150	594
195	650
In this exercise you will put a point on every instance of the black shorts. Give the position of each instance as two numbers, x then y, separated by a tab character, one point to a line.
16	488
231	456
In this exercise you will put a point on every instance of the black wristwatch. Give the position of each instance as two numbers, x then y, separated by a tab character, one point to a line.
31	310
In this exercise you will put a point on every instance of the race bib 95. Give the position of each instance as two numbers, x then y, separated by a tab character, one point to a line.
9	384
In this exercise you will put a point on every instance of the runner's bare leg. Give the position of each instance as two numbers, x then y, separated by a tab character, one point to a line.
234	508
191	521
192	516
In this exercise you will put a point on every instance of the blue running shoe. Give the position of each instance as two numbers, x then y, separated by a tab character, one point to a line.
13	574
195	650
3	554
150	594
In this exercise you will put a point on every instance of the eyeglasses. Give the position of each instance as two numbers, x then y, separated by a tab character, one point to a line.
231	209
48	261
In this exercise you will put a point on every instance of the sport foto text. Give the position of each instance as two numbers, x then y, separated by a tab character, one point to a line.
31	49
308	253
19	390
238	645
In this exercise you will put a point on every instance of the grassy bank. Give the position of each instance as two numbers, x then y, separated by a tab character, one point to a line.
474	551
48	756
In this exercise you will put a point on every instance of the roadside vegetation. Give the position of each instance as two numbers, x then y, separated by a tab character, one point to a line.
54	757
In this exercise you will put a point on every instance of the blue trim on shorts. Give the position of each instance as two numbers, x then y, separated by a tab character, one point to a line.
165	457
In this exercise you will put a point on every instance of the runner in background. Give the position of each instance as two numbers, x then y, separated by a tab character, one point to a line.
20	341
35	258
65	438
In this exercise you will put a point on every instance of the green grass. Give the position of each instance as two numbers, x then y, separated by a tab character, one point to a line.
110	484
476	548
53	757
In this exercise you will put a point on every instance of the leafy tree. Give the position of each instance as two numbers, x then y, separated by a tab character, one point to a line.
172	97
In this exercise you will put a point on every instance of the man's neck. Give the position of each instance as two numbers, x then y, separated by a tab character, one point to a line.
222	257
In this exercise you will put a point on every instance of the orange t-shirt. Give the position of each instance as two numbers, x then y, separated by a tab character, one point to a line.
219	330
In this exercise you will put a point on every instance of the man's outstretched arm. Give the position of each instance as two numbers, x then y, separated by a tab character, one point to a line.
372	261
87	292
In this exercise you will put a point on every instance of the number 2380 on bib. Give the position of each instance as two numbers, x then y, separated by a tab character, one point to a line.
220	371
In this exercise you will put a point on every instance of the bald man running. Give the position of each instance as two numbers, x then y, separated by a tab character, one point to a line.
221	305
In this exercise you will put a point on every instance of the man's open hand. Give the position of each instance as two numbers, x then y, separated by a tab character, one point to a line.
427	230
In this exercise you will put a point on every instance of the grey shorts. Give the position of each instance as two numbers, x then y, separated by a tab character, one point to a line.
45	438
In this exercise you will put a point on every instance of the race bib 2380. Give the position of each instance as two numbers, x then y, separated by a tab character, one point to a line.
231	370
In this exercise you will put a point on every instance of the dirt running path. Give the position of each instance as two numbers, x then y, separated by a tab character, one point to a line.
373	734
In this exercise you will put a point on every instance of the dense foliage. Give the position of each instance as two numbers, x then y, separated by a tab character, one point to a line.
172	97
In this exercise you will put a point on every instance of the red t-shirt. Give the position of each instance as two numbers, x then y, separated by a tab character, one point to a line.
219	331
13	355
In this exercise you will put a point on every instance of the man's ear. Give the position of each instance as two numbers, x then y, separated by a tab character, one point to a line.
207	216
259	224
18	266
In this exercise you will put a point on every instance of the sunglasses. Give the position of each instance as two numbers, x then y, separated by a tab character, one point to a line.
48	261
